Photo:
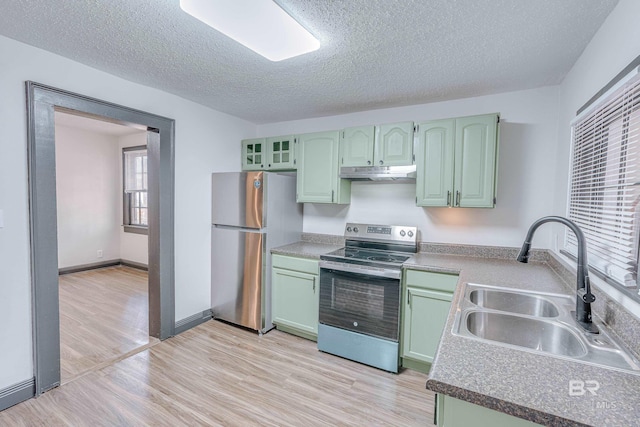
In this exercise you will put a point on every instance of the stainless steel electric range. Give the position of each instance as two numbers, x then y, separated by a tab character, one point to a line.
360	294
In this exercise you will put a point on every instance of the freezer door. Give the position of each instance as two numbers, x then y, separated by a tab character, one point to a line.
238	276
237	199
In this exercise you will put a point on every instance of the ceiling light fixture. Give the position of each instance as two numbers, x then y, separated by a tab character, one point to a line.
260	25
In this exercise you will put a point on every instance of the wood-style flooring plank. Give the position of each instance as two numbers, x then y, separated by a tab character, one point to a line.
220	375
103	316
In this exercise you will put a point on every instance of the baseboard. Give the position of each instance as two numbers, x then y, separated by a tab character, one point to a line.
192	321
133	264
102	264
17	393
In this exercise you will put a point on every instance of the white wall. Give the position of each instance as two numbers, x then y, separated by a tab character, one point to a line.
206	141
87	190
133	247
613	47
526	174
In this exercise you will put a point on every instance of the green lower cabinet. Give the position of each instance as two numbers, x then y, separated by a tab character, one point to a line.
295	295
425	315
452	412
427	300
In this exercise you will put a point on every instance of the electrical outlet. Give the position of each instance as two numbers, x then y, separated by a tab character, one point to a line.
99	253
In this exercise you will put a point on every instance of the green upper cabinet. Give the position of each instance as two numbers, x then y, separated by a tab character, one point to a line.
275	153
434	157
457	162
317	161
475	161
281	153
254	154
394	145
356	146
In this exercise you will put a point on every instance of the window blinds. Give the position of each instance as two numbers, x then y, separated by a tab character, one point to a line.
605	183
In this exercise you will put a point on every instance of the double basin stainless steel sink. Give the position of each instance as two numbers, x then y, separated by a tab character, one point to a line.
537	322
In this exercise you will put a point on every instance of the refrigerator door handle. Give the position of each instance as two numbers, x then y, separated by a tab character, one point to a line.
237	228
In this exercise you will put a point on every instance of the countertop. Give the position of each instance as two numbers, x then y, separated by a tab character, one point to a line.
311	250
528	385
520	383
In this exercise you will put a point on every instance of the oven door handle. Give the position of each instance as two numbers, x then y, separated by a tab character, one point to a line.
349	268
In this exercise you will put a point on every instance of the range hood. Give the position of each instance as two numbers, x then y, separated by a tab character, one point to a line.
379	173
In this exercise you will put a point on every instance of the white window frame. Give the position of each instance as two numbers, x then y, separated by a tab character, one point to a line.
128	195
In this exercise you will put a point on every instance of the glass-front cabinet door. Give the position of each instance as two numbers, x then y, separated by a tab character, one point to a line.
281	153
253	154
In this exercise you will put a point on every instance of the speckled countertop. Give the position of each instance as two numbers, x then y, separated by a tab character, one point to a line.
520	383
310	250
528	385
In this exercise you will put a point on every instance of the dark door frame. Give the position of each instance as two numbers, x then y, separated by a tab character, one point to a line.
42	101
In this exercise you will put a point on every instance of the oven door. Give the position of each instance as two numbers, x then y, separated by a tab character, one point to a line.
360	302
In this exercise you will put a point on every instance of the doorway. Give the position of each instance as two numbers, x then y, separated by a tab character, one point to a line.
102	218
42	102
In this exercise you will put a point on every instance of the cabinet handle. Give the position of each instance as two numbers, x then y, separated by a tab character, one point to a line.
314	285
332	192
381	162
457	198
408	297
449	198
368	162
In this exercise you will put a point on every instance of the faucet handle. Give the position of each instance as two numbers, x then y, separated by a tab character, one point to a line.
586	297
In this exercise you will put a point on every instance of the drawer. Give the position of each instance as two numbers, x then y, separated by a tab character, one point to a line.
429	280
303	265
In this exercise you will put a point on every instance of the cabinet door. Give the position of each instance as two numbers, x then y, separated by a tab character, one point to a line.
475	161
295	300
280	153
394	145
452	412
253	154
356	146
317	160
434	163
426	313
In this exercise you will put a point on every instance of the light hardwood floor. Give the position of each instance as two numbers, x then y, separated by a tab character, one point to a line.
217	374
104	316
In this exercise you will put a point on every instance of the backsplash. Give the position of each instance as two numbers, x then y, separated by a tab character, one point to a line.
500	252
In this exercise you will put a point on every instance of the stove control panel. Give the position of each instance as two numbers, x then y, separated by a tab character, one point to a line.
385	233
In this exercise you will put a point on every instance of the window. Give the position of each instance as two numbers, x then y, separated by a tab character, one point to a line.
605	183
135	208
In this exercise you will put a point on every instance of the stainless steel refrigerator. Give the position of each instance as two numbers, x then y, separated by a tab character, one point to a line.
252	212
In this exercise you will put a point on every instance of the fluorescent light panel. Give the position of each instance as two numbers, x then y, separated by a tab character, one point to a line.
260	25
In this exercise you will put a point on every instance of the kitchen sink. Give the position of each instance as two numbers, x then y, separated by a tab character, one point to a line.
537	322
514	302
544	336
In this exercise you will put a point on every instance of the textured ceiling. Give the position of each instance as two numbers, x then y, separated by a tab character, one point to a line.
373	54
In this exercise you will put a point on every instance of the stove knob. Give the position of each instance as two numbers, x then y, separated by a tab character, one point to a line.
355	229
402	233
410	233
349	229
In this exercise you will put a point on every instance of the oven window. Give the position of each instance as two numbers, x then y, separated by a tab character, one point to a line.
360	303
358	298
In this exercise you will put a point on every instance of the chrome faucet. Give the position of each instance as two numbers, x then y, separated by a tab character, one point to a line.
584	295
